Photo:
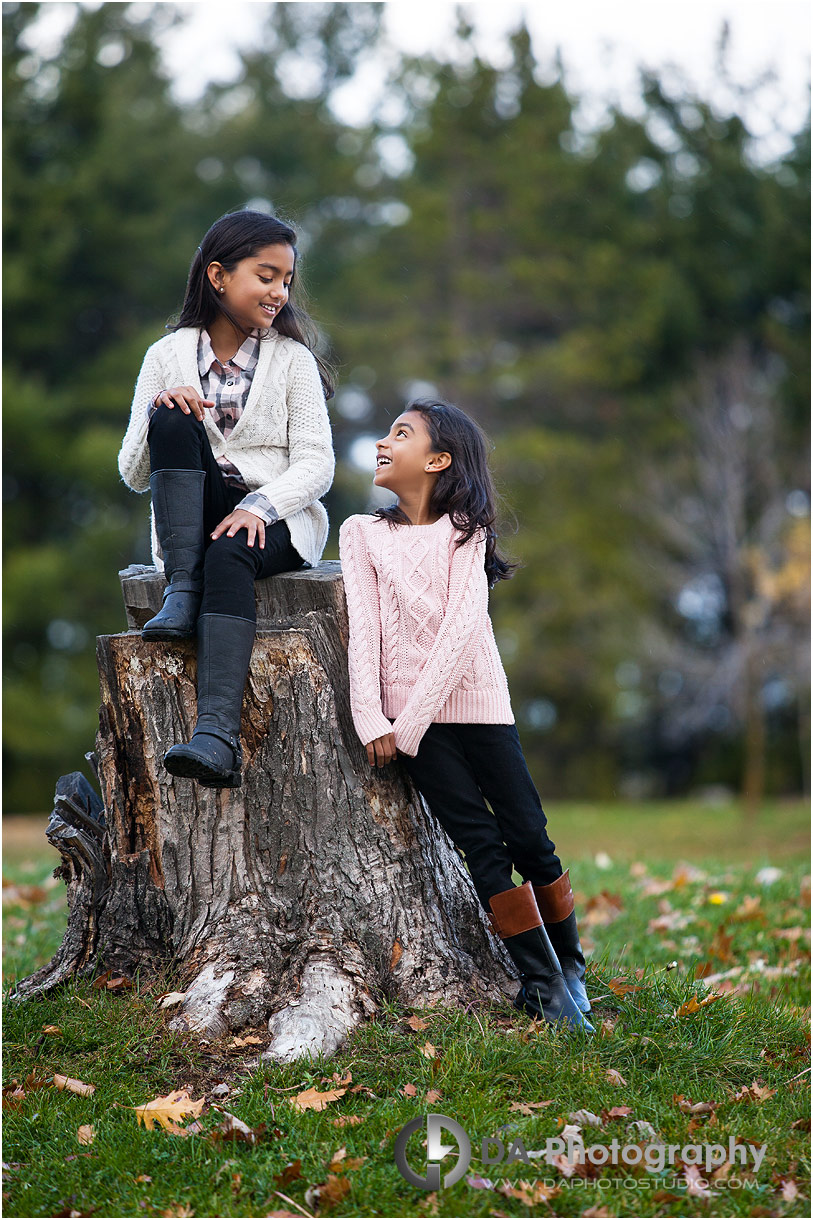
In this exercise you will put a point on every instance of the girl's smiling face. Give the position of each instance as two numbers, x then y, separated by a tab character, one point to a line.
406	459
257	289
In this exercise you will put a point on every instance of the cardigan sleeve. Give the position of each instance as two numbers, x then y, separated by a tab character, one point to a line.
364	644
310	444
134	455
464	624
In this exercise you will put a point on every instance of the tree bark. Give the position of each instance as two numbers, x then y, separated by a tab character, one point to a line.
299	900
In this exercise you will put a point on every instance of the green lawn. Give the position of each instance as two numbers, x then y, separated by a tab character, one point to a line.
680	891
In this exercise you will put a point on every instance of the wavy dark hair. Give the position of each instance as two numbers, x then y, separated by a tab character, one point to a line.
233	237
465	489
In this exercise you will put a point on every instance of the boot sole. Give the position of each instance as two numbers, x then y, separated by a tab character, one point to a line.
165	633
188	767
532	1011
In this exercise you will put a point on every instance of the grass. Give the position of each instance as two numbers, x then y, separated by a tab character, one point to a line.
745	1055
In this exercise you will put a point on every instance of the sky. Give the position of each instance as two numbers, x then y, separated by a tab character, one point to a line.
601	46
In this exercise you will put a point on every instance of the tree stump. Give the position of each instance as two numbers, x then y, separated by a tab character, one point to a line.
299	900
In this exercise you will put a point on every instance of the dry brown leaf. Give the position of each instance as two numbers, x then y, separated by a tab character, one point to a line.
231	1127
620	986
529	1194
333	1191
429	1051
312	1099
415	1022
696	1183
754	1092
85	1134
433	1095
249	1040
74	1086
164	1110
120	983
395	956
614	1077
696	1107
790	1191
51	1029
178	1209
598	1210
693	1005
290	1173
616	1112
347	1120
409	1090
143	1177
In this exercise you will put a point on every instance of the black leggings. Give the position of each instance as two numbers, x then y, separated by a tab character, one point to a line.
457	769
179	442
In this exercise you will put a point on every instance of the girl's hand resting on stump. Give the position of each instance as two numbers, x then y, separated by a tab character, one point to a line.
382	750
242	519
186	397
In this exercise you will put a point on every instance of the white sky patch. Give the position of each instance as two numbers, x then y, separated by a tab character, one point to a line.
601	48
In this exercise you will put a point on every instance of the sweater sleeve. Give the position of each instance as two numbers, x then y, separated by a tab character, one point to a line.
134	455
364	645
464	624
310	444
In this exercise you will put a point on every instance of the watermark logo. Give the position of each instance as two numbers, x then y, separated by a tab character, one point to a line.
436	1150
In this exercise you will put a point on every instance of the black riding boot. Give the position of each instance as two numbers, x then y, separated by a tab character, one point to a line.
555	902
544	993
177	500
213	756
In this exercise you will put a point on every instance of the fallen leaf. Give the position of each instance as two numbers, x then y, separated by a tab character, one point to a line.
74	1086
754	1092
395	956
429	1051
312	1099
233	1128
620	986
616	1112
409	1090
585	1117
696	1107
85	1134
347	1120
415	1022
693	1005
143	1177
790	1191
249	1040
614	1077
697	1184
51	1029
528	1194
333	1190
120	983
433	1095
290	1173
164	1110
528	1107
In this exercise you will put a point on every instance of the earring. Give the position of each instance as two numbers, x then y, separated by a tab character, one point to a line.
221	289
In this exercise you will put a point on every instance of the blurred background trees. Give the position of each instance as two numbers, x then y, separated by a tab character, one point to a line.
625	310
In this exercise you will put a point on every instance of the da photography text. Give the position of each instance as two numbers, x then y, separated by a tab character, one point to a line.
497	1151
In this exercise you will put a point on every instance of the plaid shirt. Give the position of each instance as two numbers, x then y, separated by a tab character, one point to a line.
227	385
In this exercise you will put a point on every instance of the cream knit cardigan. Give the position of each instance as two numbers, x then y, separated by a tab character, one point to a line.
281	444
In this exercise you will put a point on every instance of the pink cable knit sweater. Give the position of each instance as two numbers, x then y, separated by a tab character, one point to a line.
421	646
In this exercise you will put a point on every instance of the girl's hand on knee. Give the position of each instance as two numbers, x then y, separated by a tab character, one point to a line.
382	750
242	519
187	398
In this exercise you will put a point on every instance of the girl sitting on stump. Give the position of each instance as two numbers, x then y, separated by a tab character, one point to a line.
229	431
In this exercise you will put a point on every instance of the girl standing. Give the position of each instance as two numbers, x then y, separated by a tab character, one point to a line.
427	683
229	430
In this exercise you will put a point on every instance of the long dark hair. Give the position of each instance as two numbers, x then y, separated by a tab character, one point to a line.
233	237
465	489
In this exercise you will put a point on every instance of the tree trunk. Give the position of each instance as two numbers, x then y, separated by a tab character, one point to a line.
298	900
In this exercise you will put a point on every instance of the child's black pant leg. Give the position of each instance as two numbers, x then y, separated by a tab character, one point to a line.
179	442
495	756
231	566
442	773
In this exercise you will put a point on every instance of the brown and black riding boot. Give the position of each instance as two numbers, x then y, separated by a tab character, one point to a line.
555	902
515	918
